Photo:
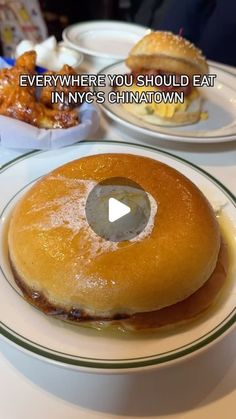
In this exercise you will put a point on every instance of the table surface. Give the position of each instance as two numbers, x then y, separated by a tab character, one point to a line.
204	386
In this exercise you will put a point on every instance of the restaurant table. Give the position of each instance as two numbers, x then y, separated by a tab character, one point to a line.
201	387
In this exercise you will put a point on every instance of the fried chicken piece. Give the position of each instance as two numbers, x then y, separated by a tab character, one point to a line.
16	101
21	103
10	77
27	61
58	119
46	93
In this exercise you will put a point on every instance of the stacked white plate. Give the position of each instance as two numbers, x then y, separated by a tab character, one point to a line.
103	41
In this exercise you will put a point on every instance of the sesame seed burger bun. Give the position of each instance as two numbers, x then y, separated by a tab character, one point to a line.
167	52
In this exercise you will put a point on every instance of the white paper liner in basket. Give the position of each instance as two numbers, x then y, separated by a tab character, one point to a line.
18	134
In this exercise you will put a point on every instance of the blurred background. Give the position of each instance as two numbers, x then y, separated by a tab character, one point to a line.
210	24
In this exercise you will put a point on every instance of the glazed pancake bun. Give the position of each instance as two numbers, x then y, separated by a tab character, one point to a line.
66	270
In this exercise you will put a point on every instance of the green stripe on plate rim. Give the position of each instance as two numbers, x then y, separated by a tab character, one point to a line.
104	105
94	363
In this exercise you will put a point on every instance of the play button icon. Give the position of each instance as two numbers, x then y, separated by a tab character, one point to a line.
117	209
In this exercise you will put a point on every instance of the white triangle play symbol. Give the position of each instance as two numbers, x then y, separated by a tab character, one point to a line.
116	209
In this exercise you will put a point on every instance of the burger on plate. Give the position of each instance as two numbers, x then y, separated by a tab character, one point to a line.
171	274
163	53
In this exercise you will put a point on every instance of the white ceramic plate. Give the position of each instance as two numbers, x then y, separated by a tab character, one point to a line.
219	101
105	39
110	351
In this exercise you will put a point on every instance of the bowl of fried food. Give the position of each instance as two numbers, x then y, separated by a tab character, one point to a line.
28	117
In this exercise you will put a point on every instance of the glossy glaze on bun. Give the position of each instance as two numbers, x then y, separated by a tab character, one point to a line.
58	259
167	52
